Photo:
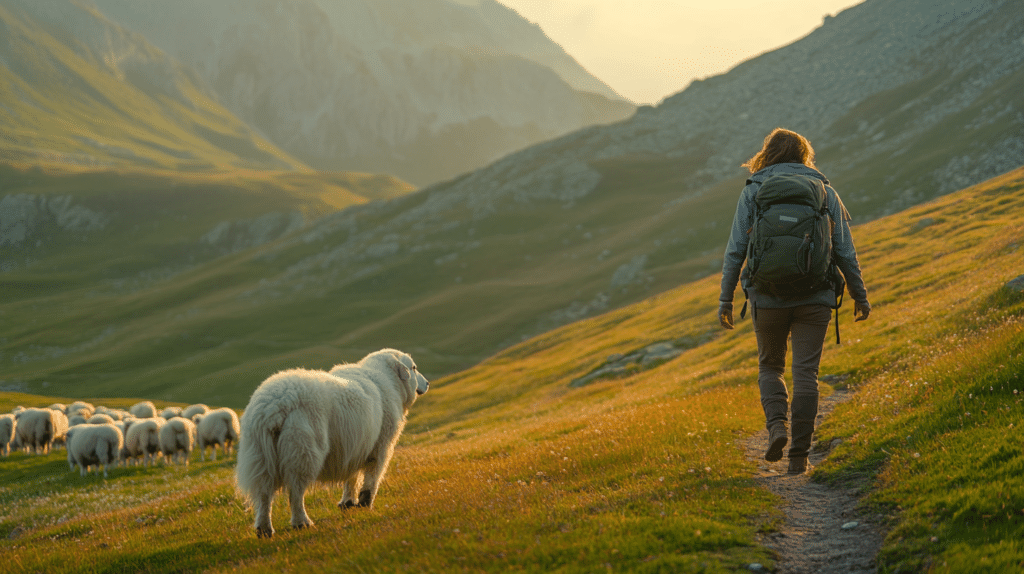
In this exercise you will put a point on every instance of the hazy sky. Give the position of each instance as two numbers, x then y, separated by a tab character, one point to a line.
647	50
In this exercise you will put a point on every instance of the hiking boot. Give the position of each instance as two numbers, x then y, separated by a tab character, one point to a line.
799	465
776	443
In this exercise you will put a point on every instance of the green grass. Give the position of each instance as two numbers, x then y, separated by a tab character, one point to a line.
504	467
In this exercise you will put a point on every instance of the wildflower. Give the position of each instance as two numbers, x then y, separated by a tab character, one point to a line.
917	455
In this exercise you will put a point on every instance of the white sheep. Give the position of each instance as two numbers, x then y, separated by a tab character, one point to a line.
142	441
219	427
59	407
8	424
170	412
80	407
100	419
114	414
143	410
303	426
77	419
191	411
38	428
177	437
93	445
60	429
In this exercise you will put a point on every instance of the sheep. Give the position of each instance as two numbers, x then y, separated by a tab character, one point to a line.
219	427
8	425
38	428
94	444
80	407
191	411
60	429
143	410
76	419
115	414
100	419
142	441
302	426
170	412
119	414
177	438
59	407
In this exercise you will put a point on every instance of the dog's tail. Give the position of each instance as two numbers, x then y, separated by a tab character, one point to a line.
257	471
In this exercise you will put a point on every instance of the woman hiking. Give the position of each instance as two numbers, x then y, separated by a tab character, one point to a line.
784	310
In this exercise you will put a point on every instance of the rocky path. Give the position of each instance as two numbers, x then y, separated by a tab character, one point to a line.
823	531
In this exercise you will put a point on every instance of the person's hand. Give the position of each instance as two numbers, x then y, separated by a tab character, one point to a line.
725	314
861	310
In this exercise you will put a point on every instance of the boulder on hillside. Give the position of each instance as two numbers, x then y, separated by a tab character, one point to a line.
1016	285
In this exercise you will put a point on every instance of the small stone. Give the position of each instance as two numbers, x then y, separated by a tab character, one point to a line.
755	567
1016	285
850	525
659	348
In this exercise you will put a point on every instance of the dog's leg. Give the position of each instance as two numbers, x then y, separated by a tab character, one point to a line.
352	485
373	473
261	508
301	461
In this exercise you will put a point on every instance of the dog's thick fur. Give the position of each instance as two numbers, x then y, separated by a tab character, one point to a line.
303	426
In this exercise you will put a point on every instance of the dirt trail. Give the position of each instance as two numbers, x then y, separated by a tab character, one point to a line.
823	530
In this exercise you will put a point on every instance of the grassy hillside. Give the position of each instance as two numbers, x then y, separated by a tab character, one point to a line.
504	466
312	299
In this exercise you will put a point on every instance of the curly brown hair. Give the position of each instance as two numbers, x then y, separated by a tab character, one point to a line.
782	146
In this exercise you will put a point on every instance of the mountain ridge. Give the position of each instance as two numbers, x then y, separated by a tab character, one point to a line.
377	86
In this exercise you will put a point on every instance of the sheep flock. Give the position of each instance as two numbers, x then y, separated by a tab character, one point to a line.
99	437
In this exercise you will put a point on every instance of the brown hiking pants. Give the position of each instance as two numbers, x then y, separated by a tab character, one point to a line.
807	325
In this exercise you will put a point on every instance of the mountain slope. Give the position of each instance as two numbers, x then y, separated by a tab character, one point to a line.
590	222
122	103
421	89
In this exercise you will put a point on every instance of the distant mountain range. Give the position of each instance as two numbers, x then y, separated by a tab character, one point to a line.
78	90
904	101
419	89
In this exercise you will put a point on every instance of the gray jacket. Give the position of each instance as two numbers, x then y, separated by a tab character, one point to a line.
842	245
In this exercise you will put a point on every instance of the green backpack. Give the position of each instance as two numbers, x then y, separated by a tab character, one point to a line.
789	254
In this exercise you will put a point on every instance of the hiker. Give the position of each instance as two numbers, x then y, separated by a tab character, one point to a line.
783	306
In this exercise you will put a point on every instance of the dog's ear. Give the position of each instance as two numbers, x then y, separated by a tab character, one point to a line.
403	372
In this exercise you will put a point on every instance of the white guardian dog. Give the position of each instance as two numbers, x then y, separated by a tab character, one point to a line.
303	426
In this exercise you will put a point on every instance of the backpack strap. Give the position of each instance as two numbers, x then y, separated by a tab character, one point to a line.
840	304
